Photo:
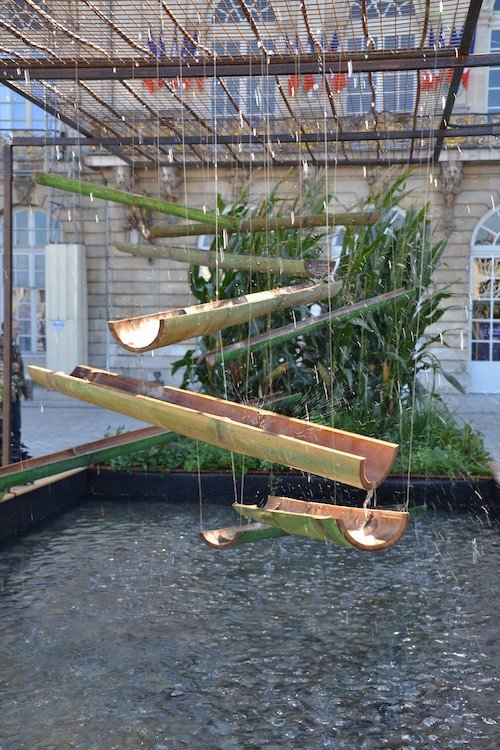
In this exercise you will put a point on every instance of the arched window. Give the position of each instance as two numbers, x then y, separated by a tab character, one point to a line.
382	8
32	231
485	301
228	11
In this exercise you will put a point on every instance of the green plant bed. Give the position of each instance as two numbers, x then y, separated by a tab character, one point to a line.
431	444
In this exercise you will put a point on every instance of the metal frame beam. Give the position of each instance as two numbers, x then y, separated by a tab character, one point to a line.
463	50
100	70
8	162
459	131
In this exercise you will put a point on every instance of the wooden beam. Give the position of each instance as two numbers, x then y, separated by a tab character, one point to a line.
147	332
343	456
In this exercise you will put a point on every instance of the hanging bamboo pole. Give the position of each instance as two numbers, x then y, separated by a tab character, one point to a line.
278	335
147	332
206	220
306	269
270	224
343	456
94	190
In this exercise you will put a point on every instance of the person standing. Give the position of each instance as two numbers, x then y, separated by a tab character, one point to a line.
19	388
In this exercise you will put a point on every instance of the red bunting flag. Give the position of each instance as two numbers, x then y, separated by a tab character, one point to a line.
338	82
293	85
431	80
308	83
153	85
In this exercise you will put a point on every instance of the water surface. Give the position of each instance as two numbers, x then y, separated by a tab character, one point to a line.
121	630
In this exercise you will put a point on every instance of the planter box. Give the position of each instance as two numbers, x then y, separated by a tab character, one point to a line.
31	507
480	495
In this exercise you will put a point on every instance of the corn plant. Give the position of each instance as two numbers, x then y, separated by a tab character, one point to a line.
361	374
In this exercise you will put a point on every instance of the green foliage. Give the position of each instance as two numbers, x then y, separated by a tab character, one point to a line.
276	369
430	442
371	367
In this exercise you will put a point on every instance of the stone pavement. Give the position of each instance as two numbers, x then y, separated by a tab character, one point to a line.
52	421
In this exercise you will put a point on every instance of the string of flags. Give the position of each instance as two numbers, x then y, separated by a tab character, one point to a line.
187	49
307	82
432	79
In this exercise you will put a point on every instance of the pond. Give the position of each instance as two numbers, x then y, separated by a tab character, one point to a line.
120	629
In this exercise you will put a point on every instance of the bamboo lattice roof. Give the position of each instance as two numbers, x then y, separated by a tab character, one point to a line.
266	82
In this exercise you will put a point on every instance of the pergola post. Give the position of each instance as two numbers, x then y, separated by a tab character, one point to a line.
8	150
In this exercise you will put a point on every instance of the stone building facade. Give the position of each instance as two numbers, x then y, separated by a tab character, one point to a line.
463	192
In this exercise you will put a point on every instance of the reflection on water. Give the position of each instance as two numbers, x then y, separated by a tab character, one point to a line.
120	629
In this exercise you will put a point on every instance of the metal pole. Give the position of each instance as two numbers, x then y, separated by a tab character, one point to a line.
7	299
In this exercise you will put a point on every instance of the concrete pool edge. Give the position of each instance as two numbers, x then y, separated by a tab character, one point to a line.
32	504
456	495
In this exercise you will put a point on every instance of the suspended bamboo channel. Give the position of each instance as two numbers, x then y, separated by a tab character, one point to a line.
367	529
147	332
286	333
343	456
94	190
82	455
300	268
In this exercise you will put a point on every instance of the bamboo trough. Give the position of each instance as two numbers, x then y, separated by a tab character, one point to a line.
81	456
147	332
367	529
270	224
342	456
235	536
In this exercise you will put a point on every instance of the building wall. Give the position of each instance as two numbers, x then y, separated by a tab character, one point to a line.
120	285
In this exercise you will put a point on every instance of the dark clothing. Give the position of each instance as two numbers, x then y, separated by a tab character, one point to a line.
19	388
15	425
19	385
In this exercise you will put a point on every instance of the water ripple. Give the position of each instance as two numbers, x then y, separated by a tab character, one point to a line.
121	630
